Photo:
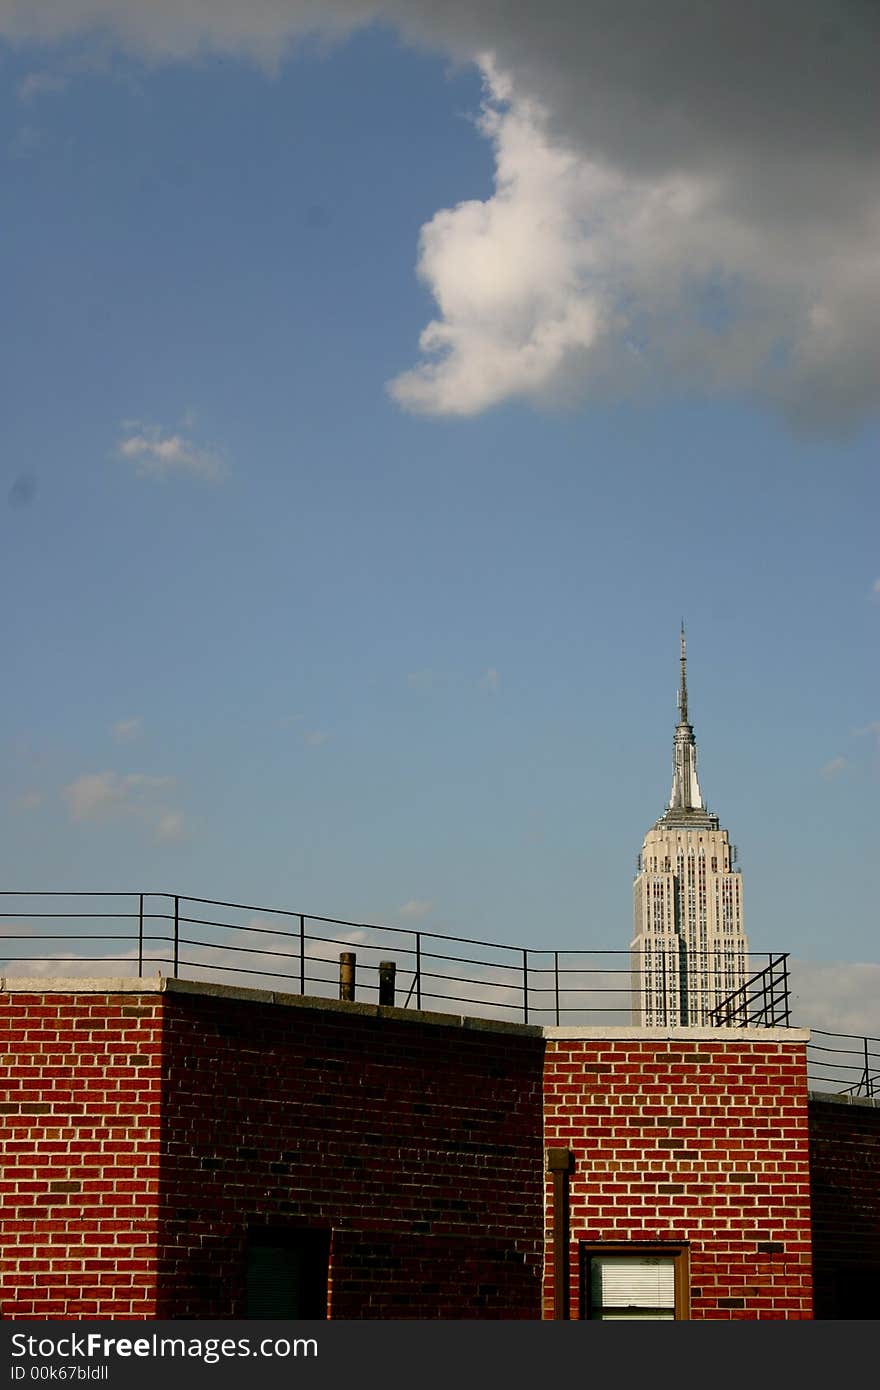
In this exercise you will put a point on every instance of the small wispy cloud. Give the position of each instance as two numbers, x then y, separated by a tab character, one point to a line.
834	767
127	730
171	827
490	680
94	795
875	591
107	797
29	801
421	680
314	738
415	909
99	795
38	84
158	454
23	490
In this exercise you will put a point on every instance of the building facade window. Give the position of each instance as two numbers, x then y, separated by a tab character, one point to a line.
634	1282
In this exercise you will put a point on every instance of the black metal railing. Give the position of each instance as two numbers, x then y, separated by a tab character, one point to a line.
760	1001
844	1063
298	952
67	934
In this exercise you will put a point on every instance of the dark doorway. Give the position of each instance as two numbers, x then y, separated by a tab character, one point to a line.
286	1274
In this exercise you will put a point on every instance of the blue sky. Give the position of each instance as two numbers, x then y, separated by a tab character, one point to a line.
301	613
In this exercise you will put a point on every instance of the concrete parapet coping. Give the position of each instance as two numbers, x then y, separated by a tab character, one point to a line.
81	984
837	1098
626	1032
168	984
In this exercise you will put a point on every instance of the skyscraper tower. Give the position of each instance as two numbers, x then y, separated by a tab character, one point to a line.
689	950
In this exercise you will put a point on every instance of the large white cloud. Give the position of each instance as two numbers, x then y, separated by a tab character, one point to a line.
686	195
578	277
511	276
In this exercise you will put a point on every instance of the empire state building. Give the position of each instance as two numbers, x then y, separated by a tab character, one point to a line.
689	951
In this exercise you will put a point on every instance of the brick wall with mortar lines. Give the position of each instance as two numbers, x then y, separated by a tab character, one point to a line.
420	1145
704	1142
845	1180
79	1133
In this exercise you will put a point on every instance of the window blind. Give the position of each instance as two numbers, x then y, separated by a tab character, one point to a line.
632	1285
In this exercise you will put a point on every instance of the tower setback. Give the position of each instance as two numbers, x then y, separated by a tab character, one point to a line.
689	950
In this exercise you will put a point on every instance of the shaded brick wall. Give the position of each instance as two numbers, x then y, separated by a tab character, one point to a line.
420	1145
145	1133
845	1178
704	1142
79	1134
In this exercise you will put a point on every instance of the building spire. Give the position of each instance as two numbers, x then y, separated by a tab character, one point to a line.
682	687
686	795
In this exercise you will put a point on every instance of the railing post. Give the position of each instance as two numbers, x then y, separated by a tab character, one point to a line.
525	956
176	934
387	970
140	935
302	953
556	982
418	969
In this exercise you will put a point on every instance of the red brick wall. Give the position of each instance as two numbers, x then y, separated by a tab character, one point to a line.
144	1134
419	1145
79	1134
703	1142
845	1176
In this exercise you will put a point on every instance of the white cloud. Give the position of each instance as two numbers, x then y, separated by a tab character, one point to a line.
579	279
314	738
875	589
174	29
260	945
508	276
61	965
834	767
155	454
415	909
171	827
106	797
127	730
686	196
94	795
836	997
490	680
